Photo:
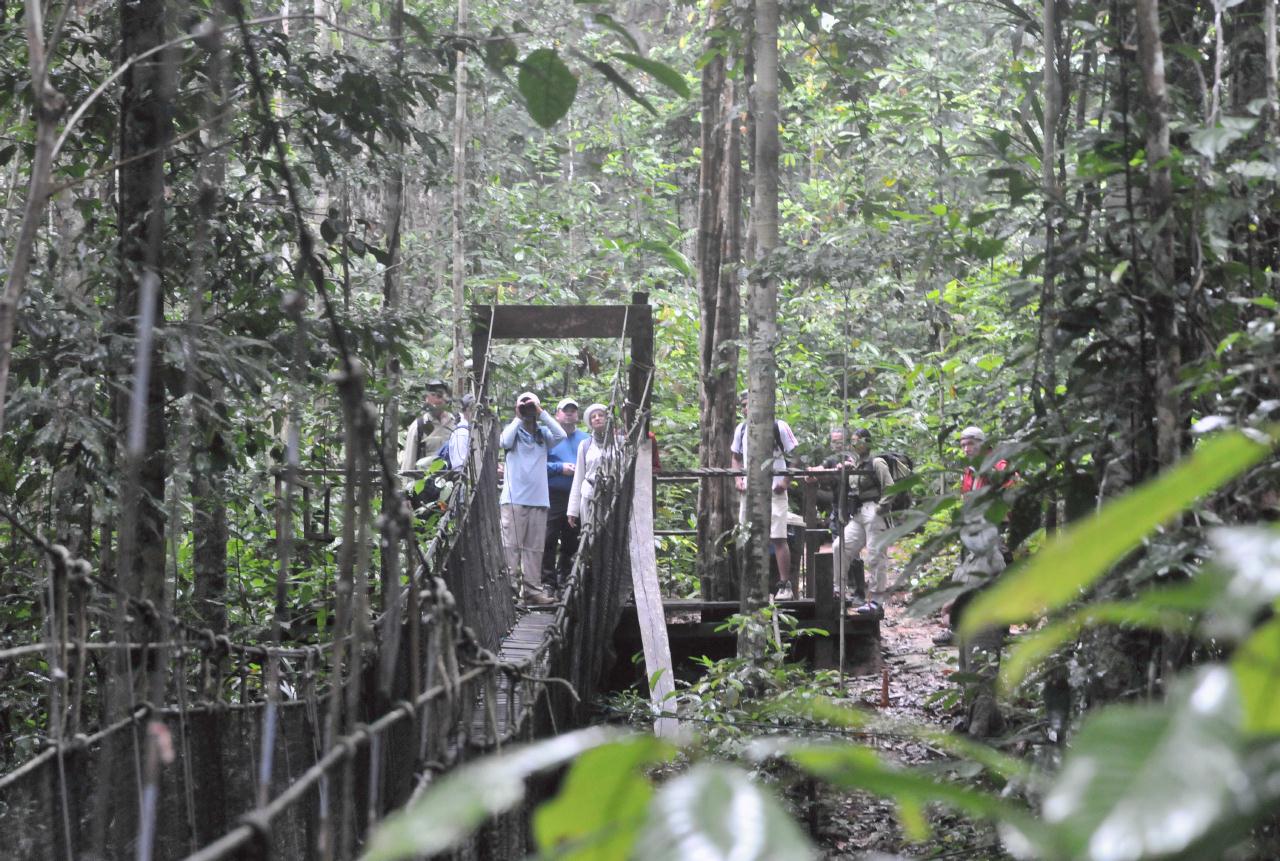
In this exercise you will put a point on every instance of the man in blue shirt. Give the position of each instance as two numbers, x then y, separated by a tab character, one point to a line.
562	538
524	500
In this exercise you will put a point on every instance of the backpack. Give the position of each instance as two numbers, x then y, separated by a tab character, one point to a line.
901	467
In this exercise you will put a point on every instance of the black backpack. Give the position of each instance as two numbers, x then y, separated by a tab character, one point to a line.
901	467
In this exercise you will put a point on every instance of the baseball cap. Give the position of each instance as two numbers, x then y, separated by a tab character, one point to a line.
438	385
566	402
973	432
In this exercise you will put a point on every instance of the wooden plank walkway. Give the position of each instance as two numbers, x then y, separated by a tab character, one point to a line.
528	635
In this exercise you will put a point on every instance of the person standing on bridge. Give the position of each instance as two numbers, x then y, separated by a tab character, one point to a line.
562	533
784	441
592	454
427	438
524	500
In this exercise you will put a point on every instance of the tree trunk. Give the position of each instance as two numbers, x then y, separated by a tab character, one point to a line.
144	134
1163	287
459	199
762	322
393	213
49	106
719	249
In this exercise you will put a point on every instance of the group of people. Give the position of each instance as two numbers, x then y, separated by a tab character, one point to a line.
859	510
549	476
551	466
859	520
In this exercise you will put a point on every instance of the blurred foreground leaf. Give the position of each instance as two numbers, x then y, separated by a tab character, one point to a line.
603	802
462	800
716	812
1084	552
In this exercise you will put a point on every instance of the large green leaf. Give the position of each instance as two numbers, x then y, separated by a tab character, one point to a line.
717	812
1152	781
855	767
452	809
603	802
1250	557
663	73
669	254
1083	553
547	85
1256	665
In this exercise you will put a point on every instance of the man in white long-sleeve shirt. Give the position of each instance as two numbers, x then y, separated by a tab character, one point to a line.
525	499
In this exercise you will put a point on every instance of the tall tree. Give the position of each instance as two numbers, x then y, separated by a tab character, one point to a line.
459	200
762	319
1163	285
145	128
719	303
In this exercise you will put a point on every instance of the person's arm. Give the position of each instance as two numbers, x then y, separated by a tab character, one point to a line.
410	445
551	430
574	511
508	438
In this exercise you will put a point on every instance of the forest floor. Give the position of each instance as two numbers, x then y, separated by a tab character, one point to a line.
860	825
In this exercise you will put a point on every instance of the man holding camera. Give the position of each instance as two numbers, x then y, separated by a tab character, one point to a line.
525	498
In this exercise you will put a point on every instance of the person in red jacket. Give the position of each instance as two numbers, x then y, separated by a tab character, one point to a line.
973	443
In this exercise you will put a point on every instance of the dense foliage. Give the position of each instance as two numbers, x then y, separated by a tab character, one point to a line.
1000	214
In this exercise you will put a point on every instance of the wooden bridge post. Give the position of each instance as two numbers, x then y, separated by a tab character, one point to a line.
640	375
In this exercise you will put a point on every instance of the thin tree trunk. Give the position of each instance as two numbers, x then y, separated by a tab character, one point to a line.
762	323
459	199
393	213
1163	305
1269	35
49	106
719	228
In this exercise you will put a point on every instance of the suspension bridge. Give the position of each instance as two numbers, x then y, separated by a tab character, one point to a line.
164	739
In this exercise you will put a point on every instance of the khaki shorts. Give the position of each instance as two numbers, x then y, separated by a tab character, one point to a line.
779	508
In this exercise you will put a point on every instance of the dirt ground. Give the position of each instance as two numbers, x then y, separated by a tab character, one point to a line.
857	825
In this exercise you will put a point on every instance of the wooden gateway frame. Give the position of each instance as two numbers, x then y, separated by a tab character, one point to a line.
558	322
635	322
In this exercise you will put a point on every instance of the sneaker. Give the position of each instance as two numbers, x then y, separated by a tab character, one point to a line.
785	592
946	638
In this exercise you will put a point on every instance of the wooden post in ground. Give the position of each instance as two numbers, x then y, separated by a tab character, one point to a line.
648	597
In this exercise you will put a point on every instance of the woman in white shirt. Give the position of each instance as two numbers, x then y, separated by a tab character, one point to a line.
591	453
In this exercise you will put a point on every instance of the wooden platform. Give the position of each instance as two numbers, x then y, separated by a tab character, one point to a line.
692	630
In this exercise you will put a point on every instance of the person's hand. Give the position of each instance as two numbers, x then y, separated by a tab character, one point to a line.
568	468
740	482
573	521
779	487
502	469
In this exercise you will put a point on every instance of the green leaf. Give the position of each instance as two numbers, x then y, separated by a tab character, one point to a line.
604	19
1153	780
718	812
855	767
461	801
669	254
547	85
1256	665
661	72
599	811
1083	553
623	84
1211	142
500	51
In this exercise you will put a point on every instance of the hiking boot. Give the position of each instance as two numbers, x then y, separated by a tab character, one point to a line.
785	592
534	597
946	638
